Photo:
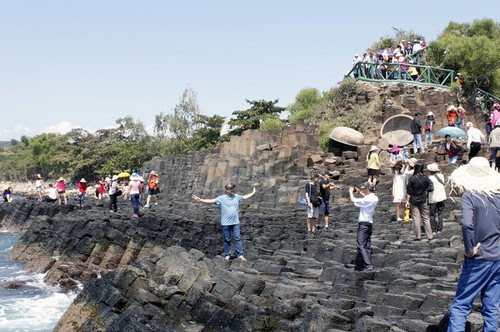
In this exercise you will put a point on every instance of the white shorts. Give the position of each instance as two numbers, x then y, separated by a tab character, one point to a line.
313	212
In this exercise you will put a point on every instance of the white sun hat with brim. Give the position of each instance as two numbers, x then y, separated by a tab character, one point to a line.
434	167
412	162
469	124
115	177
134	176
430	113
477	176
373	148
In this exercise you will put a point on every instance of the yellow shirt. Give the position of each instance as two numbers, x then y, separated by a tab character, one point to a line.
373	162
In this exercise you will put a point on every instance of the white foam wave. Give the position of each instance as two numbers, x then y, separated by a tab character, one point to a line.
38	313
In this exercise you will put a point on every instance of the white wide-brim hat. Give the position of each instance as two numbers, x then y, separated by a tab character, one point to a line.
430	113
115	177
373	148
477	176
434	167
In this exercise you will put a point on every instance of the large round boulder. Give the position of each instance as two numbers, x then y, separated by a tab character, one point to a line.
397	130
348	136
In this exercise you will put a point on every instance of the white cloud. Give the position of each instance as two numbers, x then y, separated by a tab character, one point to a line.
59	128
16	132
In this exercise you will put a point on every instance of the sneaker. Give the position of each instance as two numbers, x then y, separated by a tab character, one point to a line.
156	203
399	219
243	259
135	215
146	206
417	240
227	258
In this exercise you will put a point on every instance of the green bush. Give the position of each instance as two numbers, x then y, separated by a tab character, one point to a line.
340	96
308	98
303	115
273	124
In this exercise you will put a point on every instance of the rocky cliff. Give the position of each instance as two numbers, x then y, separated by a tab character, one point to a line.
164	271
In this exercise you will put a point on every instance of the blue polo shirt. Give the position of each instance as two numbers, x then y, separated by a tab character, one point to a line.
229	209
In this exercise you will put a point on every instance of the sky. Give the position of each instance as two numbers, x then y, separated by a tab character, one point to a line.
66	64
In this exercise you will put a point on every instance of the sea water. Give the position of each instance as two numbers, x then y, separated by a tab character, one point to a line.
34	307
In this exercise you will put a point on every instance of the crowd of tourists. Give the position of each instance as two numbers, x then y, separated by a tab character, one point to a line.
109	189
391	63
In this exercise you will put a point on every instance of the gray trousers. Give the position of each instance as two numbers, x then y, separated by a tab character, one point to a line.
364	243
420	213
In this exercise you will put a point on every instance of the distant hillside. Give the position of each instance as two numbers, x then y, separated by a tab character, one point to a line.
4	144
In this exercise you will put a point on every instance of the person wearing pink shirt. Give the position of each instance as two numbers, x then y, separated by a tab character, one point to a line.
134	188
61	190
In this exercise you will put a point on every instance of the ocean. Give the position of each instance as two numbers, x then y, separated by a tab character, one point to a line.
33	307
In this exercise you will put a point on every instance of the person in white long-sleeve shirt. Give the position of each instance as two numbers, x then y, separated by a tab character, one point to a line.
475	139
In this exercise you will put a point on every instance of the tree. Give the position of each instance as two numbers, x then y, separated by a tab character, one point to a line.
182	122
251	118
308	98
208	133
471	49
130	129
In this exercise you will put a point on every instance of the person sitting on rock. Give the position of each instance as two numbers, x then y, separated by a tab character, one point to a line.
7	195
367	205
373	166
417	188
481	238
230	221
61	191
51	194
153	188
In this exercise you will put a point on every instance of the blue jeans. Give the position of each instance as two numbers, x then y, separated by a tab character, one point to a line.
234	231
428	137
494	154
417	140
135	202
477	276
81	199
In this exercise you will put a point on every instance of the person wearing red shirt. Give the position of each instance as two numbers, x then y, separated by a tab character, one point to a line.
82	190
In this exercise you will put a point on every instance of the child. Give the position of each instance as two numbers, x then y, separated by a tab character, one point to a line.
399	188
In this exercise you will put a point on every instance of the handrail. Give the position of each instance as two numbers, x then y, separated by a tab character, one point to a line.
488	99
398	72
411	57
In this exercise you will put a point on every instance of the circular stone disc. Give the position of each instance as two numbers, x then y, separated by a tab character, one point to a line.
347	136
398	137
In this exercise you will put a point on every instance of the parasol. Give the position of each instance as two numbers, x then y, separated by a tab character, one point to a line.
454	132
386	52
123	175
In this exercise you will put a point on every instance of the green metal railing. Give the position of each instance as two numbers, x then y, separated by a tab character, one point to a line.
415	56
486	99
400	72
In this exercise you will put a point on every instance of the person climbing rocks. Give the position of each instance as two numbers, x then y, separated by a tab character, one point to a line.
429	128
39	187
51	194
396	156
494	141
82	190
474	140
373	166
134	188
7	194
451	115
481	238
153	188
436	198
313	202
418	187
461	117
230	221
452	148
61	191
416	130
399	188
325	185
367	205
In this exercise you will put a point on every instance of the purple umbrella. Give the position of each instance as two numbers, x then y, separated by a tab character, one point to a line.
386	52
